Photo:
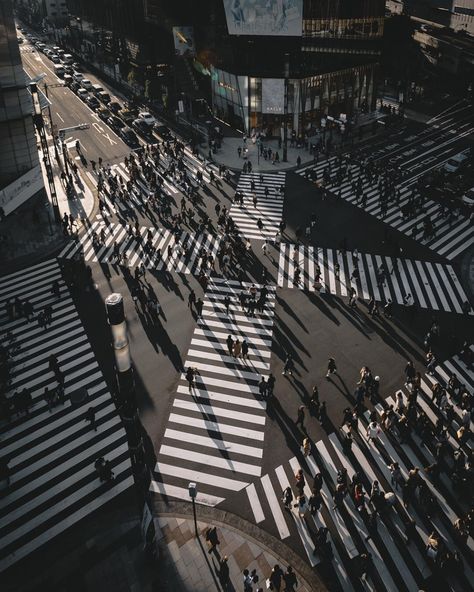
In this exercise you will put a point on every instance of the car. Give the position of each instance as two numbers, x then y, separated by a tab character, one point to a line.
455	162
47	52
78	76
142	128
82	93
147	118
75	86
162	131
115	123
129	137
127	116
86	83
103	113
55	58
76	66
92	102
104	97
69	70
468	197
115	107
68	80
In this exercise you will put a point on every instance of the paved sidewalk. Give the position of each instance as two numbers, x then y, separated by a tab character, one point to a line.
31	233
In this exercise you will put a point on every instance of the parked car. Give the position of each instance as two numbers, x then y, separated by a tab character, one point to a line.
115	107
147	118
92	102
115	123
142	128
82	93
129	137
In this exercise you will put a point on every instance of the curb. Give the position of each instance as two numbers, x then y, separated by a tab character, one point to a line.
231	522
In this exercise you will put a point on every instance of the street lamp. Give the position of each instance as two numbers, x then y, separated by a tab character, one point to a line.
192	489
126	396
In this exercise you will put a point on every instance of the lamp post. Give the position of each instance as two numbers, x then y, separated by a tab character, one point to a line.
126	395
285	108
192	489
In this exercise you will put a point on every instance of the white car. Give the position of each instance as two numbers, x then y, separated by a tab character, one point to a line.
86	83
78	76
147	118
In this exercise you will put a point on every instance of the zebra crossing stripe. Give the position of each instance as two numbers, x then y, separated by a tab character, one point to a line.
433	285
53	487
448	241
276	508
301	527
268	209
255	503
168	490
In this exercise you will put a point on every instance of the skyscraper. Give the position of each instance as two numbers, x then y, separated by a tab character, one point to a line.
20	172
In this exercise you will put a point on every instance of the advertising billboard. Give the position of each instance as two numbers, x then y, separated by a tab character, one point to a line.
21	190
184	40
273	95
264	17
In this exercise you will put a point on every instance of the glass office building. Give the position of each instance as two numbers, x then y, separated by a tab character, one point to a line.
263	71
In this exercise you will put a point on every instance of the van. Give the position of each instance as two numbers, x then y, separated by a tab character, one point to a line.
455	162
67	58
59	70
96	89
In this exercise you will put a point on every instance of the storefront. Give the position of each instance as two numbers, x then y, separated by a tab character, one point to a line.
250	103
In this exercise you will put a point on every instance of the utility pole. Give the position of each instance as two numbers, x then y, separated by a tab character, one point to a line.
285	108
39	124
62	136
46	86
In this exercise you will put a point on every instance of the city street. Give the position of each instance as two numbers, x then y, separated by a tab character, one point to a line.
274	268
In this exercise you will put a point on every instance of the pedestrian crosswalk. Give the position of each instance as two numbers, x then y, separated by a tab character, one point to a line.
51	451
450	236
396	565
155	248
215	431
261	211
433	286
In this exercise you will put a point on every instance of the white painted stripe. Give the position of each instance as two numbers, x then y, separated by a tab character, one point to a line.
215	443
199	477
215	427
183	493
212	410
275	507
255	503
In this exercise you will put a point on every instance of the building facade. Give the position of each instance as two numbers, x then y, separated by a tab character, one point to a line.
20	172
298	70
458	15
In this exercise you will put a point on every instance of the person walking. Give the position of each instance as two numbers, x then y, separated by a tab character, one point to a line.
90	417
212	539
191	299
287	498
373	431
262	388
288	366
290	580
306	447
276	578
199	305
230	345
245	350
332	369
237	348
300	418
227	304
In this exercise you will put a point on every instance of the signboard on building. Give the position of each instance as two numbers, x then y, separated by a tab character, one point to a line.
15	194
184	40
273	95
264	17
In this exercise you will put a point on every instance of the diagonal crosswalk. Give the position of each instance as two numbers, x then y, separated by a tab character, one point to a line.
215	431
155	248
433	286
450	237
396	565
51	452
268	190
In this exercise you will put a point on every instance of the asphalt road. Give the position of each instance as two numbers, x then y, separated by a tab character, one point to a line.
312	327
